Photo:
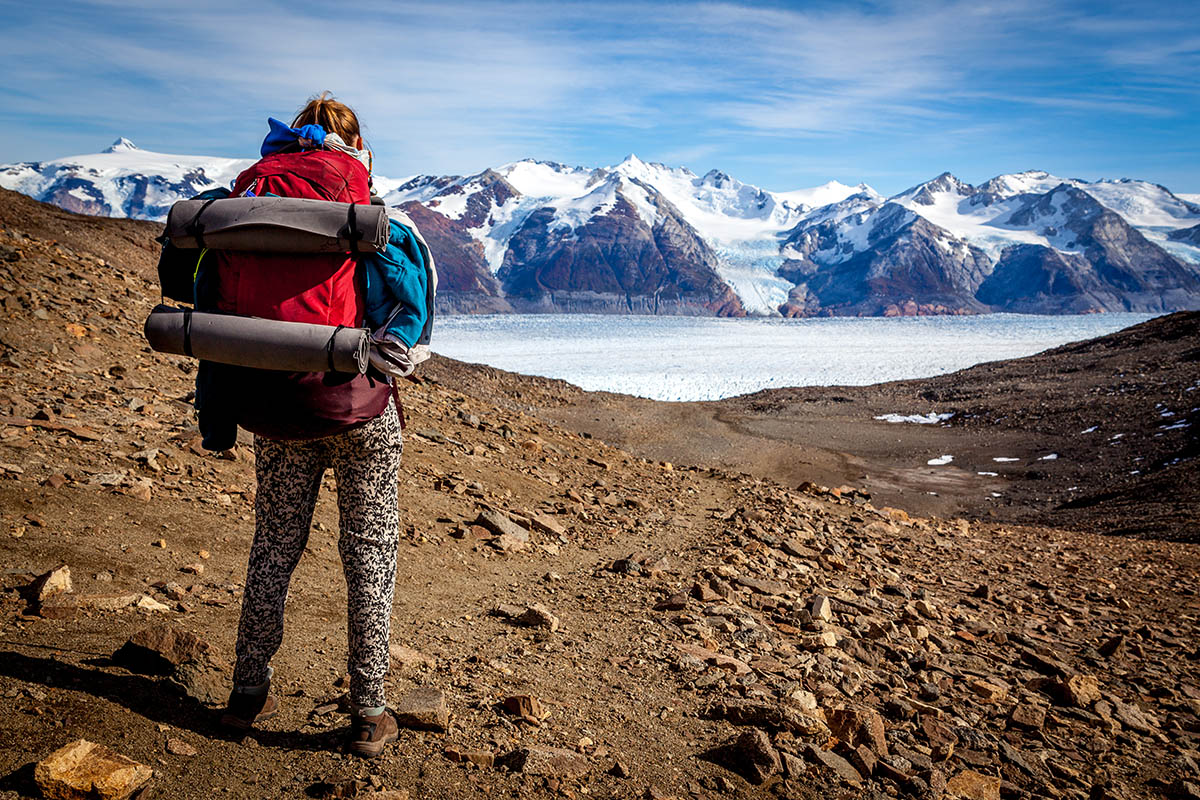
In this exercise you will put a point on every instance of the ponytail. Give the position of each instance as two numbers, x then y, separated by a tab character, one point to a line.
332	115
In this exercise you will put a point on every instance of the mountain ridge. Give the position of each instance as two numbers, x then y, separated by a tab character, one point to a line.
734	248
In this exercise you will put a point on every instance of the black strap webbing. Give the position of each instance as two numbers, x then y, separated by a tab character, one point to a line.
187	332
352	232
195	228
329	347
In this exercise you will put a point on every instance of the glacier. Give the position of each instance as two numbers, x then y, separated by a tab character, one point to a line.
709	358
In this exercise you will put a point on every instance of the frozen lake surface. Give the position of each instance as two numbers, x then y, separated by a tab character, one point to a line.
706	358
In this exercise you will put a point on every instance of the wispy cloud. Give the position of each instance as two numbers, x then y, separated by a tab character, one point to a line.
459	86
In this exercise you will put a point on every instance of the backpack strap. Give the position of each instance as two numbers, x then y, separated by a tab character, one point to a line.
329	346
187	332
195	228
353	233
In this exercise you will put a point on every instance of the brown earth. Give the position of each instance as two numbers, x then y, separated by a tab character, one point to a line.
695	604
1102	435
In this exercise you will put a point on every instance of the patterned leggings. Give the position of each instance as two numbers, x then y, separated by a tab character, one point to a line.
365	461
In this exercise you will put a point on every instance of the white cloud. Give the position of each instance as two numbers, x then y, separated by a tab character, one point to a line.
459	86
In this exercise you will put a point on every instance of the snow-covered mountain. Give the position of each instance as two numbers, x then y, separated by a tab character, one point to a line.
644	237
739	223
945	246
122	181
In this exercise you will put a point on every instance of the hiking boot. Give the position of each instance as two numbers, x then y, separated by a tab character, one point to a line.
368	735
244	710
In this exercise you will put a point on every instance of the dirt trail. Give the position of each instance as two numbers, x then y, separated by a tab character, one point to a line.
718	634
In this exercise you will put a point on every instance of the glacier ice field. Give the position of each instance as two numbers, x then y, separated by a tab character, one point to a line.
708	358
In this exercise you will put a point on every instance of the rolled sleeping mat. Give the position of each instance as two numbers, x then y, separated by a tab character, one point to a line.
278	225
254	342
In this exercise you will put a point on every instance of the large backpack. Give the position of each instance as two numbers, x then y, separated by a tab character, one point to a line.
323	288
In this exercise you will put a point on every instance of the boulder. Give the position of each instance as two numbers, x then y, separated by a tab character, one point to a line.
84	770
423	709
159	649
750	755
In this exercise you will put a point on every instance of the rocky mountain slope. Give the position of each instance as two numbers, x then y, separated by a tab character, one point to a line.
572	620
638	237
1026	243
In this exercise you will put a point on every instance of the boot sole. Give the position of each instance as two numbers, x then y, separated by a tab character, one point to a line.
237	723
371	749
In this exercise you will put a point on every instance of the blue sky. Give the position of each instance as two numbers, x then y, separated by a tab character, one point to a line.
783	95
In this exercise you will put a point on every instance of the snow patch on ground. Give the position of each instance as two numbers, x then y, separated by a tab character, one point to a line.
940	461
931	418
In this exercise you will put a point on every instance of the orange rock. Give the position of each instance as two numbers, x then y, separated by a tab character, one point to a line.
974	786
855	726
84	770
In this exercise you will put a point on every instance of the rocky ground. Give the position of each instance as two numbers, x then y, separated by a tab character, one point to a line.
572	619
1101	435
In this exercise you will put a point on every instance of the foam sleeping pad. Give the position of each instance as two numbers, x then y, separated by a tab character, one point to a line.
260	343
278	225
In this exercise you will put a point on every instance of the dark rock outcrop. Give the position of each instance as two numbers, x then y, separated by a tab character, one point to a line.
909	263
1188	235
615	262
1109	265
465	284
910	266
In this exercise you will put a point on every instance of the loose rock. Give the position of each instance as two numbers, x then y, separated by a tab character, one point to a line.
538	616
84	770
855	726
501	524
55	582
751	755
423	709
974	786
834	763
546	761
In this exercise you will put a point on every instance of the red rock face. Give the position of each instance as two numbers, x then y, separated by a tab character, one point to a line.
615	262
79	198
460	263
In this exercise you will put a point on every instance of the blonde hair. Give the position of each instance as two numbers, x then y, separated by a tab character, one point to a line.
332	115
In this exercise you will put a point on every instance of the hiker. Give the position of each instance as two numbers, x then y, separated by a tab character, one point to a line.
307	423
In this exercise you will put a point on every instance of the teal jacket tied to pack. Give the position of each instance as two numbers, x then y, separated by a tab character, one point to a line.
397	284
401	283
